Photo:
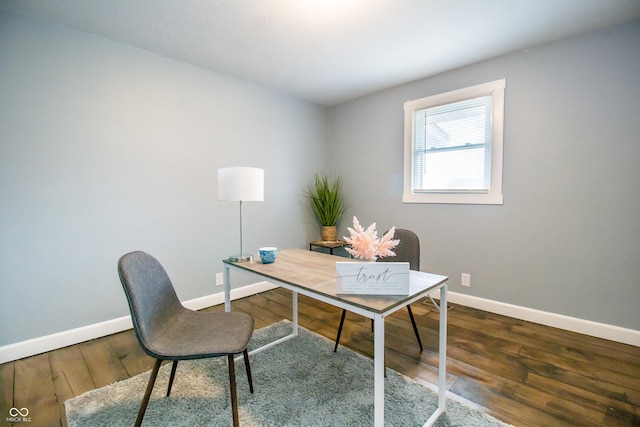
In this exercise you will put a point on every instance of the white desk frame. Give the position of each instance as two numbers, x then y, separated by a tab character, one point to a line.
347	302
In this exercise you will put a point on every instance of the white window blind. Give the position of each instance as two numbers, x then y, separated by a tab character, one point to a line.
453	150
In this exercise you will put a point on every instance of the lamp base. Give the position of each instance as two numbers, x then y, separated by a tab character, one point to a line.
241	258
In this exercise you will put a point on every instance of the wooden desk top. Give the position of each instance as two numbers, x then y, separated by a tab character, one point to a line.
316	273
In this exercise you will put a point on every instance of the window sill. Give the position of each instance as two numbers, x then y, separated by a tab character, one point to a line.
466	199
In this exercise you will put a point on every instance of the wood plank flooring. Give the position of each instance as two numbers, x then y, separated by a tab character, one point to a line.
522	373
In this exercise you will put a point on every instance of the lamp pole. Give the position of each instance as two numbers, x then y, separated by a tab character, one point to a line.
242	257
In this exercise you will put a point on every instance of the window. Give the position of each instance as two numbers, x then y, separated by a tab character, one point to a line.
453	146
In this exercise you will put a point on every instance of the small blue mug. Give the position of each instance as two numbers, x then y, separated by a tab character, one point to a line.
268	254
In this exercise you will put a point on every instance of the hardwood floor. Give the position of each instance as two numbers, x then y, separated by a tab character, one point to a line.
522	373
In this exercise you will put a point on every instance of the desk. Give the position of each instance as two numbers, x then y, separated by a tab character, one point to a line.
313	274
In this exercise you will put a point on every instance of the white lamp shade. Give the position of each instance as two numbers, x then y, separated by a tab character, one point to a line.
244	184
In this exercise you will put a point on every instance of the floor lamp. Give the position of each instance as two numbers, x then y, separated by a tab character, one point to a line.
241	184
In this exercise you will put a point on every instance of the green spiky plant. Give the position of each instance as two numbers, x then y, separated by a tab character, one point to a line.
327	201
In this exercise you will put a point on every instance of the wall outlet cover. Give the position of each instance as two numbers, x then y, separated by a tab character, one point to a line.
465	280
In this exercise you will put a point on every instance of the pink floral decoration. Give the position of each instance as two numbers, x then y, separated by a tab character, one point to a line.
365	243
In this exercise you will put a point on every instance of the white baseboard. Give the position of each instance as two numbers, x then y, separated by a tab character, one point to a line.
74	336
46	343
574	324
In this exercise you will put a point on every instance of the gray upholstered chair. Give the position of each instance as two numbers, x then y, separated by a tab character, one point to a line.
167	330
408	250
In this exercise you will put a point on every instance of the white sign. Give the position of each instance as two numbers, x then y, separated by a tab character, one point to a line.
373	278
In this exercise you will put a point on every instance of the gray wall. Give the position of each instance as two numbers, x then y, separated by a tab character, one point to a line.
106	149
567	239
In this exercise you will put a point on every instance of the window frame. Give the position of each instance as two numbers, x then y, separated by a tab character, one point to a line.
494	196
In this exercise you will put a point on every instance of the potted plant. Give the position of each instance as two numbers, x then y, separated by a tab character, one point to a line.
327	203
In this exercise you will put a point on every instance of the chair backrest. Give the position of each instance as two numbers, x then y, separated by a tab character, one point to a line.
152	299
408	250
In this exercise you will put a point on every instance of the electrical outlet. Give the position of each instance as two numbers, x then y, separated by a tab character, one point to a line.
465	280
219	279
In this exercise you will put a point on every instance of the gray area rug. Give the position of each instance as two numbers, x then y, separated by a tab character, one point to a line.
300	382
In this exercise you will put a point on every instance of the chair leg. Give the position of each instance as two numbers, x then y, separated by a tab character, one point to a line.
415	327
344	313
246	364
234	397
172	376
147	394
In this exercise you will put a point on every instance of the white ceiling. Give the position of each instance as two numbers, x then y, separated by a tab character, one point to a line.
329	51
